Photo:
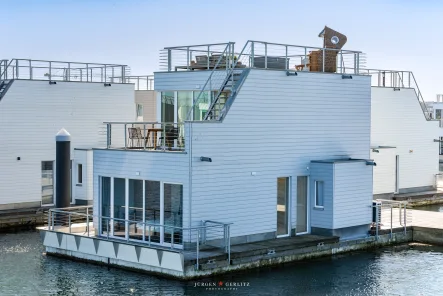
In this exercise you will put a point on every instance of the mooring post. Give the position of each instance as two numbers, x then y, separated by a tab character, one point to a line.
62	172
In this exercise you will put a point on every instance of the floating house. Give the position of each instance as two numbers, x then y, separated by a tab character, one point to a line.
274	144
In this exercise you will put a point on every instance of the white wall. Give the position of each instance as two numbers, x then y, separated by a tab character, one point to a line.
83	191
147	98
384	172
32	112
398	120
142	165
275	127
181	80
352	194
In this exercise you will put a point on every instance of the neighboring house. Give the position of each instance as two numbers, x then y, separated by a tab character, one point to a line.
436	111
247	149
403	135
39	98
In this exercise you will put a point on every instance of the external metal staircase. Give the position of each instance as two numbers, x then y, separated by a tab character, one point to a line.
227	80
4	85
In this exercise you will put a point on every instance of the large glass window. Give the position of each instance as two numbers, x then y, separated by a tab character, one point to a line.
438	114
201	105
105	205
167	107
47	182
135	209
173	208
119	207
184	105
152	208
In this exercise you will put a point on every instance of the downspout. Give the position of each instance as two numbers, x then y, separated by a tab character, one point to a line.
190	180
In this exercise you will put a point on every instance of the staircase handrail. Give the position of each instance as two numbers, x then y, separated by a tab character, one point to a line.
228	75
6	69
228	46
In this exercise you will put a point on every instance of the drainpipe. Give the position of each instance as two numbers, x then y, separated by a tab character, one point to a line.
190	182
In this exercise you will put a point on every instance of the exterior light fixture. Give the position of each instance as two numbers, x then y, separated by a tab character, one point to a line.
396	88
52	82
107	84
291	73
438	141
346	77
371	162
375	150
208	159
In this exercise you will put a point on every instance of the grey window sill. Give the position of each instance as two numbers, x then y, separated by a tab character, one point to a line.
319	208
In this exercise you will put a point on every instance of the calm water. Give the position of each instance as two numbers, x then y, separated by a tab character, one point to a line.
432	208
403	270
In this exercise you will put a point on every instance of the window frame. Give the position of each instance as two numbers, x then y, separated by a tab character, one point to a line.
79	174
316	194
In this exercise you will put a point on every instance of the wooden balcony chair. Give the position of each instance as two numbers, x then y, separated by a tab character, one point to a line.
134	136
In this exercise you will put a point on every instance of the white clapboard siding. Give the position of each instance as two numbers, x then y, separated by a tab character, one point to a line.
384	172
275	127
398	120
181	80
322	172
32	112
142	165
352	195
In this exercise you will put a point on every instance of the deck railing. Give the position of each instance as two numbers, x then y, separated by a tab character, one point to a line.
388	215
262	55
141	82
397	80
148	136
61	71
187	240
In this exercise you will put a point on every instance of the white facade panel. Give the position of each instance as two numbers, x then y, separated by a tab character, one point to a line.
352	194
275	127
384	172
82	191
180	80
141	165
32	112
398	120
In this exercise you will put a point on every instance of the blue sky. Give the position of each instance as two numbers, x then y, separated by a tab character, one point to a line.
395	34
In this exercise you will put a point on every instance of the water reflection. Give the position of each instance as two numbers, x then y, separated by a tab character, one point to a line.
403	270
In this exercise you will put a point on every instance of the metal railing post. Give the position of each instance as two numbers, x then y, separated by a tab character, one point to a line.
52	220
286	58
391	221
107	228
404	217
49	220
376	220
305	59
252	55
50	71
125	136
164	137
229	244
30	69
144	232
69	222
169	60
123	74
149	234
172	238
87	223
68	75
16	69
198	248
87	73
324	57
341	62
266	56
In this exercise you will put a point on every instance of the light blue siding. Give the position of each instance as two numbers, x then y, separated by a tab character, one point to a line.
352	195
322	218
154	166
182	80
275	127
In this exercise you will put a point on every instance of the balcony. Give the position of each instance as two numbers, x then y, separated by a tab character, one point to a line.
145	136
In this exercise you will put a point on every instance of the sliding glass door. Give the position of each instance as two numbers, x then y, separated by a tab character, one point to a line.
142	210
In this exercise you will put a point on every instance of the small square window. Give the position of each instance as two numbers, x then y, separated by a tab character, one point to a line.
79	174
319	194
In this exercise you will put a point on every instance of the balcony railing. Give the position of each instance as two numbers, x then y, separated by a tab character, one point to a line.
148	136
190	241
261	55
61	71
141	82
